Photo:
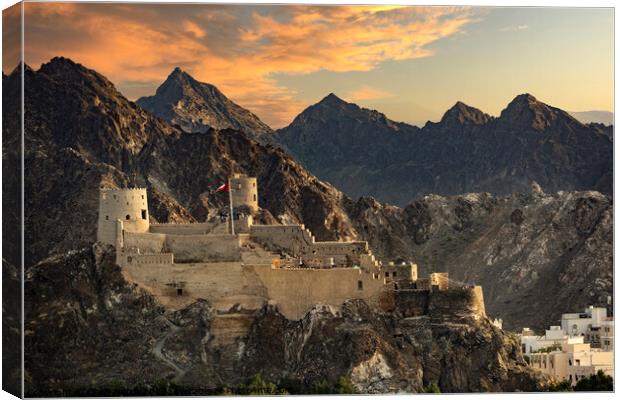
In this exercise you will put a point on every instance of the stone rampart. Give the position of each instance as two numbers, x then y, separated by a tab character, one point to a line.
297	241
196	228
452	304
296	291
456	303
186	248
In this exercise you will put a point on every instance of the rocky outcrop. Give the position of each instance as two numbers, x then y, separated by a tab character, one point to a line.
363	153
536	255
197	107
86	326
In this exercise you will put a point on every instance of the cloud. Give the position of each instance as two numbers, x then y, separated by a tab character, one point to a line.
516	28
238	48
368	93
194	29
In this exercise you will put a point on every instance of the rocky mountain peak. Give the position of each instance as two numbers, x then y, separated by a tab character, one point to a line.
526	112
461	113
198	106
332	99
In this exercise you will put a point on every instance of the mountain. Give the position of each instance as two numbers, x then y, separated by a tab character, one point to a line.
364	153
197	106
598	117
82	134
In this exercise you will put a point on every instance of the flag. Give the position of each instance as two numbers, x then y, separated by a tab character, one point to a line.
223	188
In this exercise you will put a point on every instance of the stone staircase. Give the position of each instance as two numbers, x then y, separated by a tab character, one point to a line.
253	253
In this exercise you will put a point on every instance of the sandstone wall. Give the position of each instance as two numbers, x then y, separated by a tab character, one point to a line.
195	228
296	290
186	248
456	302
223	284
297	241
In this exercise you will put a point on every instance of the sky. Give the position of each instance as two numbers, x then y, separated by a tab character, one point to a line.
411	63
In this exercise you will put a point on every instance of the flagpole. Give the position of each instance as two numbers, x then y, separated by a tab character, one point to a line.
232	217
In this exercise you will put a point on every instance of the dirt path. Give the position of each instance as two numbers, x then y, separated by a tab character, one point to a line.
180	372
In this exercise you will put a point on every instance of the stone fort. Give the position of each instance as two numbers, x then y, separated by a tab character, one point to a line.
281	265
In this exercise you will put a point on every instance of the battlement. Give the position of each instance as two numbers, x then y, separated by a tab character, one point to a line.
122	189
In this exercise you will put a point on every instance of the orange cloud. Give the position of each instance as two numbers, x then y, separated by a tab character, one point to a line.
237	48
194	29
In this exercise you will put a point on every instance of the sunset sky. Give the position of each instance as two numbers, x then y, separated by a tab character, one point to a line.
412	63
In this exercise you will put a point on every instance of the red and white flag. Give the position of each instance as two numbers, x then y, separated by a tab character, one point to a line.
223	188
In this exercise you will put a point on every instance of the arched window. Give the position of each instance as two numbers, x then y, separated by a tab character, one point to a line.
127	217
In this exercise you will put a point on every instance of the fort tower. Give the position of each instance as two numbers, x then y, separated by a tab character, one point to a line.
244	191
126	205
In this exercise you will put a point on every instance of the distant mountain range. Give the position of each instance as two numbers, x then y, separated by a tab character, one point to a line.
197	106
599	117
362	152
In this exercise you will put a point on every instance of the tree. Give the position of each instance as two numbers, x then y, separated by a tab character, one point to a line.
594	383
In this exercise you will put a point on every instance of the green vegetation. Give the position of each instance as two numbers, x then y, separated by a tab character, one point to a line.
259	386
432	388
256	386
595	383
117	388
600	382
563	386
549	349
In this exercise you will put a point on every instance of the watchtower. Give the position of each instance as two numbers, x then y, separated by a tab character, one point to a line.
244	191
127	208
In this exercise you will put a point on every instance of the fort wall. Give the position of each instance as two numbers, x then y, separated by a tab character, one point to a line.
296	291
196	228
453	304
186	248
223	284
297	241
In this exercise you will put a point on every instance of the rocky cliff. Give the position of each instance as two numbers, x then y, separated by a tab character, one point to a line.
363	153
197	107
86	326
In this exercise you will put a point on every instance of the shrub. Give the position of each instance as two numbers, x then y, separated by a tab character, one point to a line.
432	388
594	383
563	386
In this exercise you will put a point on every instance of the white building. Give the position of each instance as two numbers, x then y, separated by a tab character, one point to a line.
576	324
554	337
573	362
593	324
